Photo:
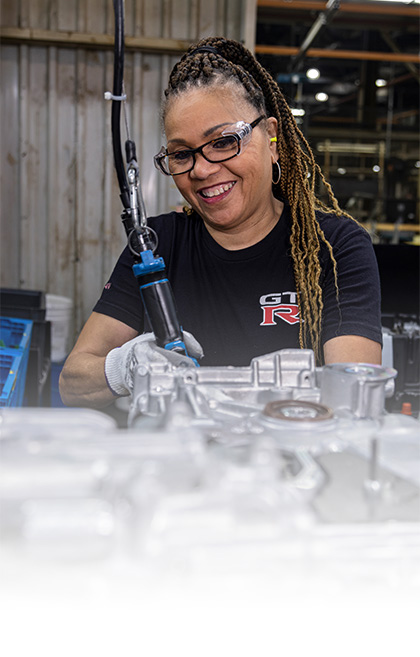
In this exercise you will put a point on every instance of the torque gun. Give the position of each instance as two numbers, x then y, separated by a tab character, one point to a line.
148	268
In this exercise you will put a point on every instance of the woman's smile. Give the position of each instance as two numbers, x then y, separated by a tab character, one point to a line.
216	193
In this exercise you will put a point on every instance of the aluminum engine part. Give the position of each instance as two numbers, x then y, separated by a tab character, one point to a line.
357	387
289	374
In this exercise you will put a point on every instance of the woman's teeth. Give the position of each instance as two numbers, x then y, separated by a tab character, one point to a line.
216	191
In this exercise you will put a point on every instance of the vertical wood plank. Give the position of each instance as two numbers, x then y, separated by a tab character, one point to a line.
235	15
38	14
65	13
24	14
52	169
207	19
130	12
23	160
180	19
10	178
90	180
95	15
220	18
155	184
193	19
9	15
154	18
139	27
34	171
248	24
63	159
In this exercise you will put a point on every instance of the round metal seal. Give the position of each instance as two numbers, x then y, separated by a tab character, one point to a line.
297	411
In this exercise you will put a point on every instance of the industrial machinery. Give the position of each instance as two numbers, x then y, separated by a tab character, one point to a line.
268	492
280	450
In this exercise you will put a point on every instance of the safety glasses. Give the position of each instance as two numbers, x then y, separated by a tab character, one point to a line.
234	138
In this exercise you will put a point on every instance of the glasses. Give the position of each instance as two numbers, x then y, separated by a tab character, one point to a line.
234	138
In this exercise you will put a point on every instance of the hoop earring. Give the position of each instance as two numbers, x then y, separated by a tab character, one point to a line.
276	170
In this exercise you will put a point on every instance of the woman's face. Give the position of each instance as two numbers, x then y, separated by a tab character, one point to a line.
227	195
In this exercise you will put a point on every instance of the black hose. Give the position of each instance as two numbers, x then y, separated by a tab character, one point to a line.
155	288
116	104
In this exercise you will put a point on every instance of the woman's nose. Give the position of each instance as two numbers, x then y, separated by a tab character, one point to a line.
203	168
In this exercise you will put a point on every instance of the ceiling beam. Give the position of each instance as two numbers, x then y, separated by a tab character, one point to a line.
332	132
323	53
381	8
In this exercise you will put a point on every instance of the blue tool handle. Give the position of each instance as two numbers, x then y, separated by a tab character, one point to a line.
159	303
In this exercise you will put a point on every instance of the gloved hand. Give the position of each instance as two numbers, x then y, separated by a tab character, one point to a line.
121	361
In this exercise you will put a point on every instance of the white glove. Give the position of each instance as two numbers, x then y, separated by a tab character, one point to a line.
121	362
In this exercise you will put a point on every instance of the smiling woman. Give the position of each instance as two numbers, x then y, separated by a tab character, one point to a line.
232	195
256	261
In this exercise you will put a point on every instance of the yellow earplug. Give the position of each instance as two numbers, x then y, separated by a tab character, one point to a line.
273	139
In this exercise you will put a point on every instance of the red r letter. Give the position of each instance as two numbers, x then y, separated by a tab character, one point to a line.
288	312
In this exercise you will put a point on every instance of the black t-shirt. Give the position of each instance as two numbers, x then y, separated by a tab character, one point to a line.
241	304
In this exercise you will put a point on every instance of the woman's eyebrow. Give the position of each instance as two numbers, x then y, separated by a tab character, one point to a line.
207	133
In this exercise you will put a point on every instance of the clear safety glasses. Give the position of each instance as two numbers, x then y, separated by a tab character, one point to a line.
229	145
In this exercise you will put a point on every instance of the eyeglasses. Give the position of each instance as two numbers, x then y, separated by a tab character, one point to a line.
234	139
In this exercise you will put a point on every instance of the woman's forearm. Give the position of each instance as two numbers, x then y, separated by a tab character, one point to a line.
83	383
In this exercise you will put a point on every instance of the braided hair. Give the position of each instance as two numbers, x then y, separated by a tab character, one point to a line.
223	62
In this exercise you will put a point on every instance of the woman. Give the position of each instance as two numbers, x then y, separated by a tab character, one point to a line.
257	262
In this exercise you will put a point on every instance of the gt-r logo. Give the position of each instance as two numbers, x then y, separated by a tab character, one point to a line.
274	306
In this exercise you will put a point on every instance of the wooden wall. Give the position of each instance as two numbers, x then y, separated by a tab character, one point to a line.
60	207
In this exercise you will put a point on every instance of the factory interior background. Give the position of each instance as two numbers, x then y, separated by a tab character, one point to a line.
353	87
350	71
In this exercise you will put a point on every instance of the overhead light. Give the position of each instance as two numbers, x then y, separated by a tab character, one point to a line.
313	73
380	82
321	96
417	164
298	111
376	168
342	171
